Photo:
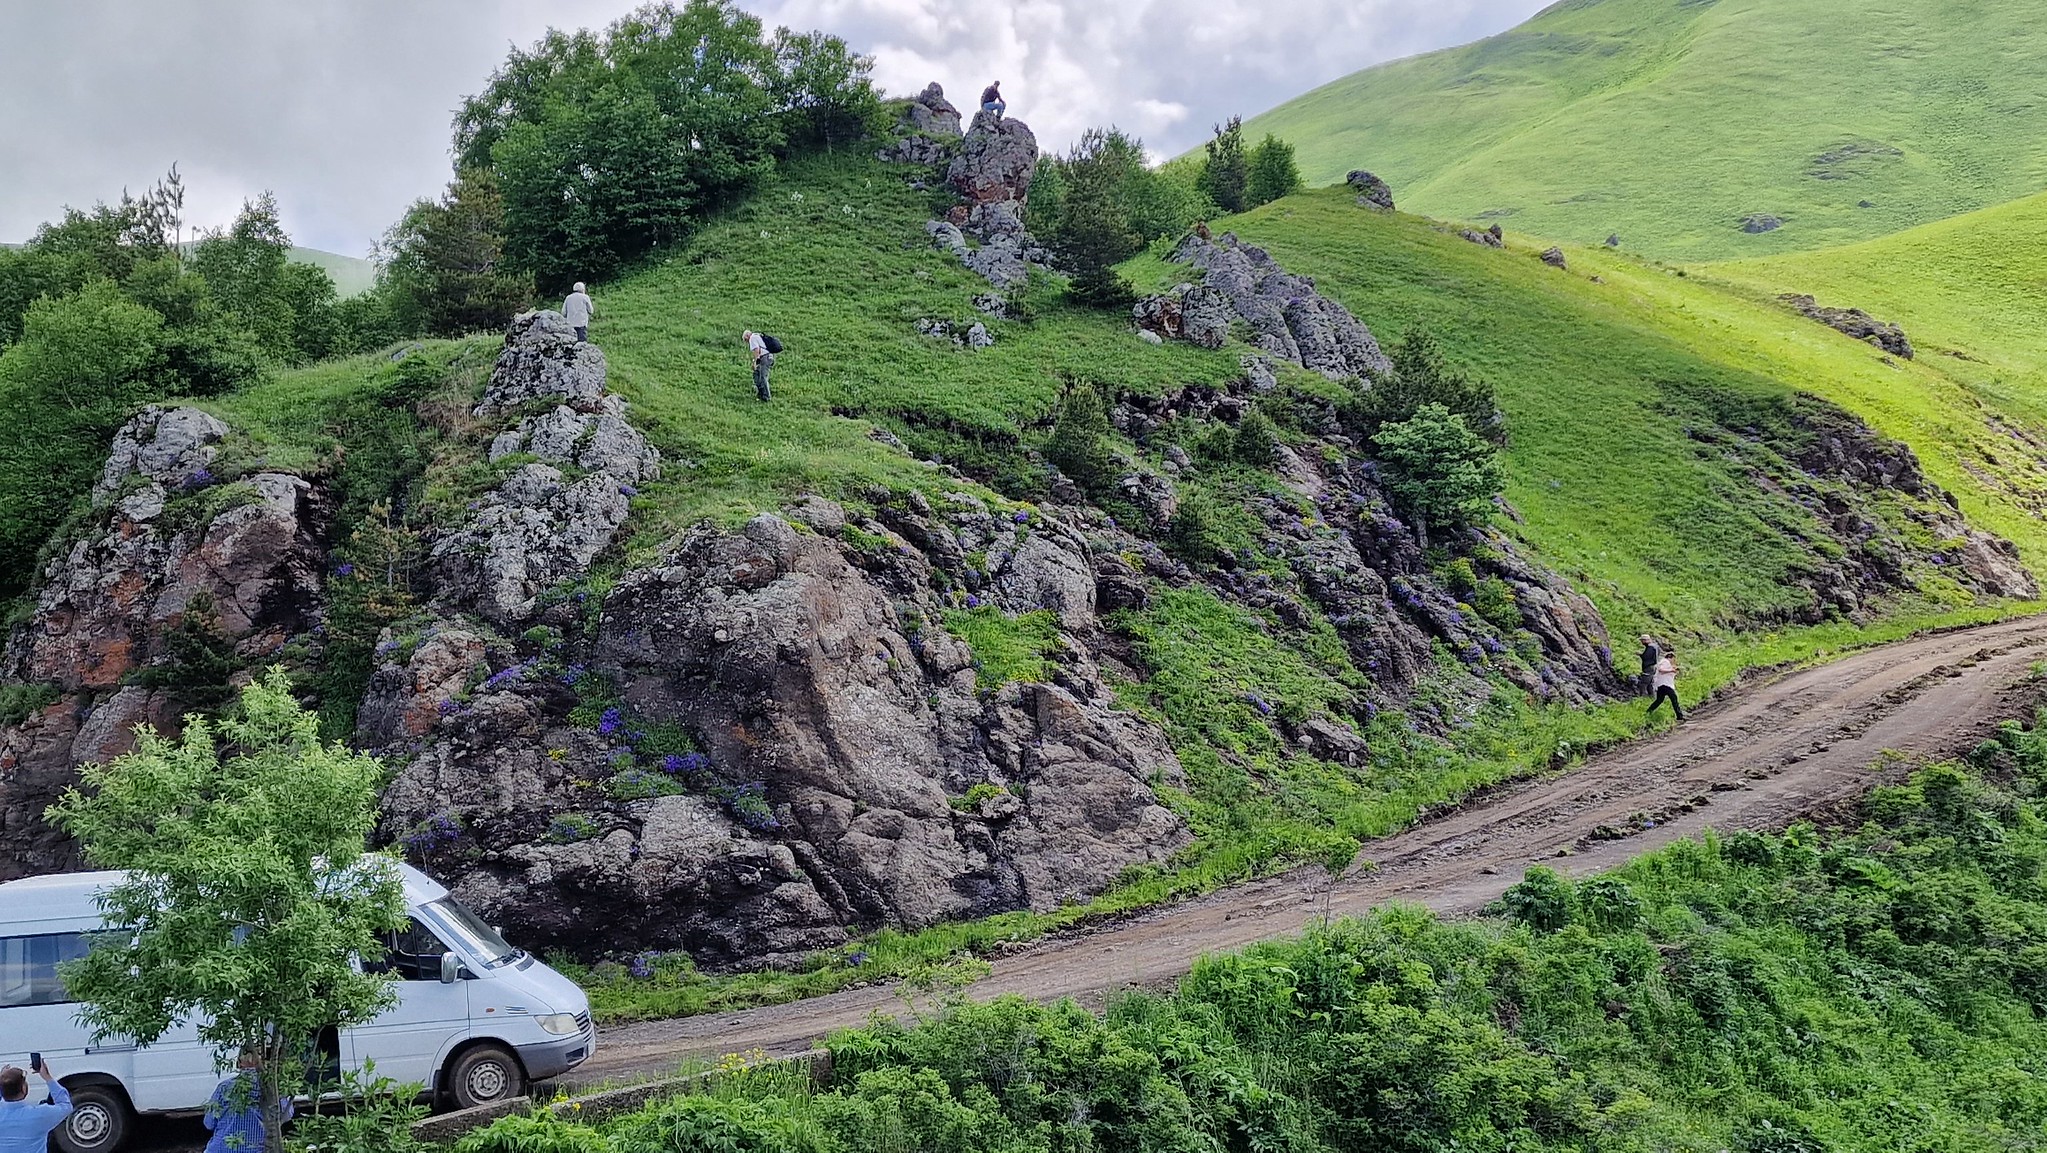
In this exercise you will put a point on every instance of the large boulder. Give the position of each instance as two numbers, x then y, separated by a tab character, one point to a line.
543	360
1372	191
1286	316
530	533
997	159
929	113
599	441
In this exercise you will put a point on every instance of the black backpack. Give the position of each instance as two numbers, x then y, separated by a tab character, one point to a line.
774	346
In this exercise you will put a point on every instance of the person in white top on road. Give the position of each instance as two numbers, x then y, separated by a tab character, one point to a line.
1665	680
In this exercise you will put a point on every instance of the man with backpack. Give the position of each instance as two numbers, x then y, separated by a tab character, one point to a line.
763	349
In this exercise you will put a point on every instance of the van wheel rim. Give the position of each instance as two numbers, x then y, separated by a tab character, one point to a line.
487	1081
89	1124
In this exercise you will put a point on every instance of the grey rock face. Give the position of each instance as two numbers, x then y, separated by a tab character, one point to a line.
932	114
534	531
1760	222
991	173
1554	257
1372	191
1286	316
106	608
1491	237
797	673
538	528
542	360
600	441
171	447
1852	322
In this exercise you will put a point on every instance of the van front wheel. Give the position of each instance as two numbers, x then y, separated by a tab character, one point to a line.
483	1076
99	1121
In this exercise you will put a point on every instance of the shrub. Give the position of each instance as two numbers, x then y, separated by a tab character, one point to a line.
1257	441
1226	174
1271	172
1079	443
1439	472
1542	900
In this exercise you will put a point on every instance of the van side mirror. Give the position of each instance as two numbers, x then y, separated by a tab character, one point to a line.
451	968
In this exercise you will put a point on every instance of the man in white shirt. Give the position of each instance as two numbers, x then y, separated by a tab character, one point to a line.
577	310
763	360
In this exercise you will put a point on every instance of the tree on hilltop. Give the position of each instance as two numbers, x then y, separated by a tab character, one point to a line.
1226	176
1271	172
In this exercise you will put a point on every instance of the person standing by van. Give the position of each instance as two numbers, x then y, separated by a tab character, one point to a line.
235	1111
578	310
25	1128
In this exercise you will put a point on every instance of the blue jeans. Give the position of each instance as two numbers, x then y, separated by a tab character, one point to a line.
998	107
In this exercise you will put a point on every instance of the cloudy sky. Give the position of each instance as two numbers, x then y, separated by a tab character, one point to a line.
342	107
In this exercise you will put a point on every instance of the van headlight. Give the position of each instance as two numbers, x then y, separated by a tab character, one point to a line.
560	1024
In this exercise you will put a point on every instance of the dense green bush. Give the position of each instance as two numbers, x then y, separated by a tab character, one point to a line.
1079	445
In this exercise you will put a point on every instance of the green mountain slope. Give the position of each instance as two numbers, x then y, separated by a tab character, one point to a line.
1971	292
1604	383
1670	121
351	274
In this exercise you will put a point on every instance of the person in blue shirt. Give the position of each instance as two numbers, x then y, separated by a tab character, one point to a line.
235	1111
25	1128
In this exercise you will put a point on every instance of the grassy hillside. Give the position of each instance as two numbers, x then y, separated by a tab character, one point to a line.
1970	291
351	274
1603	382
1668	121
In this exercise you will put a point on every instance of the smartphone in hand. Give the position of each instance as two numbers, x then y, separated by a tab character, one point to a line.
35	1062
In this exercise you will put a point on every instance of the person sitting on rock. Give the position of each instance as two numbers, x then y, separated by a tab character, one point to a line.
992	101
763	360
577	310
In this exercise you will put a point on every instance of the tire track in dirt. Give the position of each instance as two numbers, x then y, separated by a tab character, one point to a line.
1801	743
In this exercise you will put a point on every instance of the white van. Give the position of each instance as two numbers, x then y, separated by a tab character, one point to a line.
476	1019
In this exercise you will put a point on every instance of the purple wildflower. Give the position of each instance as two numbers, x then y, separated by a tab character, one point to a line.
344	569
856	958
572	674
608	723
1021	517
199	479
628	490
642	966
973	602
449	707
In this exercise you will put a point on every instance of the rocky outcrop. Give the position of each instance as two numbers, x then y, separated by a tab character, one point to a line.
1756	223
180	553
929	132
542	525
1492	237
1554	257
1285	316
972	335
1372	191
837	729
543	360
1852	322
991	173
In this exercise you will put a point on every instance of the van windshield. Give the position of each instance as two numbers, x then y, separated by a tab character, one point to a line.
470	934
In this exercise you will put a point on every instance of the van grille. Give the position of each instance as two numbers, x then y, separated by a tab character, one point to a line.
583	1022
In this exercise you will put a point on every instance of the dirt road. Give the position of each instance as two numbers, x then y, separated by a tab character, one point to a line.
1775	750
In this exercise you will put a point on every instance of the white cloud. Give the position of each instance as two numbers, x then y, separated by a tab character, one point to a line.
343	106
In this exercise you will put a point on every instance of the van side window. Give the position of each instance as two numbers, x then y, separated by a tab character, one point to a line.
28	968
413	953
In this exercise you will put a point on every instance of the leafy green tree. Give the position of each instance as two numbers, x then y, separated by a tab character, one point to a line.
1438	471
82	362
1271	172
247	890
607	147
1079	444
824	91
286	307
445	261
1226	176
1420	376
